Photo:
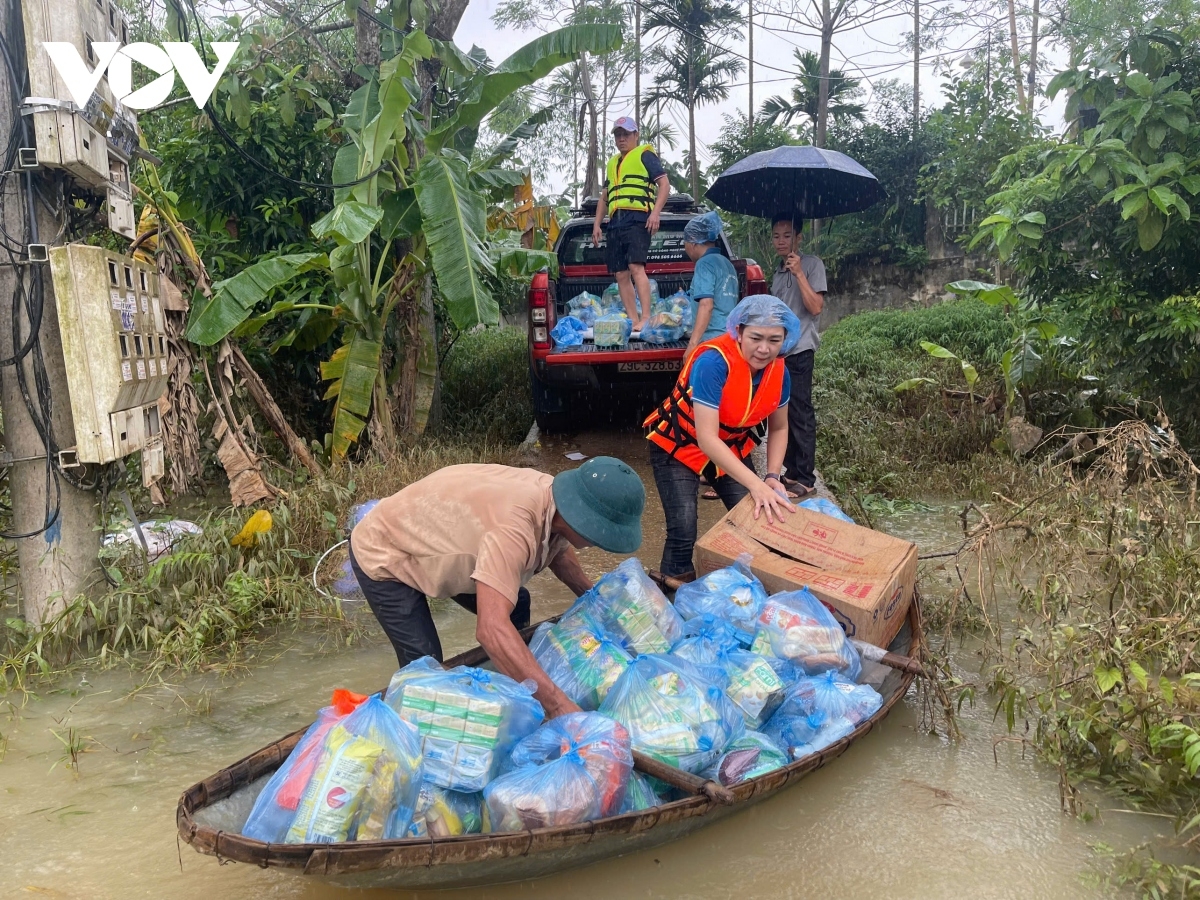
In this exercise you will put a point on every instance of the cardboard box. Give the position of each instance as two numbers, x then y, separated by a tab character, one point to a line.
865	577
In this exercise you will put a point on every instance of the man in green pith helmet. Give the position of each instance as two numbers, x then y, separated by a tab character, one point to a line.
477	534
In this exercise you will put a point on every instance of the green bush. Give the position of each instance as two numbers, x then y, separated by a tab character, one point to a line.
871	440
485	386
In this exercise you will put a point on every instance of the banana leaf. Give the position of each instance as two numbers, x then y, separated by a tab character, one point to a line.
235	298
353	369
508	146
455	222
535	60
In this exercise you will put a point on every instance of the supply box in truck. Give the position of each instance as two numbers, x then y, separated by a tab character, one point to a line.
865	577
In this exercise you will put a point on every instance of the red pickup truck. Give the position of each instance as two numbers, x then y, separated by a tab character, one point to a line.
571	383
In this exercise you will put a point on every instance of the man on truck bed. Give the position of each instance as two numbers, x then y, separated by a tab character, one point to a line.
633	208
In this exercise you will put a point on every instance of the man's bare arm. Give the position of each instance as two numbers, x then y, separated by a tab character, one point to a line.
567	569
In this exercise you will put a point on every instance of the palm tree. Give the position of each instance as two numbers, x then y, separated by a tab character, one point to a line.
806	94
693	69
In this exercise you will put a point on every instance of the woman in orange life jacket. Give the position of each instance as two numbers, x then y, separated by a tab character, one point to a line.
730	388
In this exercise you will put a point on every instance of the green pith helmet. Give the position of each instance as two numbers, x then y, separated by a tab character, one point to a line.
602	500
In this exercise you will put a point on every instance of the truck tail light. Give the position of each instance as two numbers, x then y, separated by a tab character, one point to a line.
756	282
540	312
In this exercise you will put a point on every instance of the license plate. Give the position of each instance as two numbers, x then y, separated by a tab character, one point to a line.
661	365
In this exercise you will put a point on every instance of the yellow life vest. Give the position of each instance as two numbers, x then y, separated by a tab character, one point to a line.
629	185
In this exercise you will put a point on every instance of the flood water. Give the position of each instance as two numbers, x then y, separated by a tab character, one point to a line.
901	814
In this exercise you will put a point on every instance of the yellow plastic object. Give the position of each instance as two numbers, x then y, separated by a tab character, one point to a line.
259	523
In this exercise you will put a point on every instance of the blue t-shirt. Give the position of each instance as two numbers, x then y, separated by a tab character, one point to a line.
716	278
655	171
709	374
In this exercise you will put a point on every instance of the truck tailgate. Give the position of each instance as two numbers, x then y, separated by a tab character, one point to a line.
639	356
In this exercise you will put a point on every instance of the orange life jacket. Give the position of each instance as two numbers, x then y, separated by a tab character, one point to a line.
743	410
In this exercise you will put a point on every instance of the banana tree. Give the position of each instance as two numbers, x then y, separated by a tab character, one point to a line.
417	210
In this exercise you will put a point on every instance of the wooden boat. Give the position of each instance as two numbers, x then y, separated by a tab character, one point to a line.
479	859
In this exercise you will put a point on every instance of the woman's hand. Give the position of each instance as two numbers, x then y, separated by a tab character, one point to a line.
770	499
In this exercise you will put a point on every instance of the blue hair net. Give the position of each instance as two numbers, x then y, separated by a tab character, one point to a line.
766	310
702	229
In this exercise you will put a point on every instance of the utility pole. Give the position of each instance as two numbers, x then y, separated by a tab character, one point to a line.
1016	54
916	69
60	562
637	60
750	55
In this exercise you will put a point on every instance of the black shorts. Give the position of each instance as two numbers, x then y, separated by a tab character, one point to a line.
627	243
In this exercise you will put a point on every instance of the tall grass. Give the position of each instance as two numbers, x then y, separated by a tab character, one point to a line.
485	387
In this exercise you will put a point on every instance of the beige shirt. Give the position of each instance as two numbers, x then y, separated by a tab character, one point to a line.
462	525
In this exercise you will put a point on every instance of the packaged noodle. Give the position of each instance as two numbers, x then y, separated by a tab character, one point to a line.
819	710
468	719
733	594
611	300
442	813
639	794
748	679
585	307
631	608
612	330
795	625
673	712
275	807
751	755
335	793
358	793
572	769
580	658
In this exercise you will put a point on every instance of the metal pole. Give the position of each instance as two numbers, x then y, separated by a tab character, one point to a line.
750	20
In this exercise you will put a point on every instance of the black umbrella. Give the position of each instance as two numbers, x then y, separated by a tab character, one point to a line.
808	182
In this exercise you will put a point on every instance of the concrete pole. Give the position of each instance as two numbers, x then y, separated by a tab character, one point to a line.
750	79
61	563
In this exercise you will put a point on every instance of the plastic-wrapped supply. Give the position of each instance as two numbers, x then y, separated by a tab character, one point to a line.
580	658
160	536
825	507
468	719
639	794
441	813
733	594
366	783
673	712
275	807
820	710
795	625
572	769
612	330
749	680
358	512
751	755
585	307
568	332
631	608
611	300
663	327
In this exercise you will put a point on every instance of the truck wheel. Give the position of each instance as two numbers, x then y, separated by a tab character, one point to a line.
551	409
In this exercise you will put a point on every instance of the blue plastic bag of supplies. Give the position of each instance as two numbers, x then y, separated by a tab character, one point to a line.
468	719
733	593
441	813
748	678
673	712
795	625
580	658
632	609
825	507
275	807
751	755
819	710
568	332
639	794
574	768
366	782
585	307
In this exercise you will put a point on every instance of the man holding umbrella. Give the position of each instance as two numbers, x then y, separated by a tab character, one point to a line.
635	192
799	282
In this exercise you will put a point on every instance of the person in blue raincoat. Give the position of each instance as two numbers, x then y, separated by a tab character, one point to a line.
714	289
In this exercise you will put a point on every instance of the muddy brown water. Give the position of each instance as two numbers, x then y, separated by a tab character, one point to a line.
902	814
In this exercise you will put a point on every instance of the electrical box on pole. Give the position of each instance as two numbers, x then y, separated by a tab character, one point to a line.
110	311
94	144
